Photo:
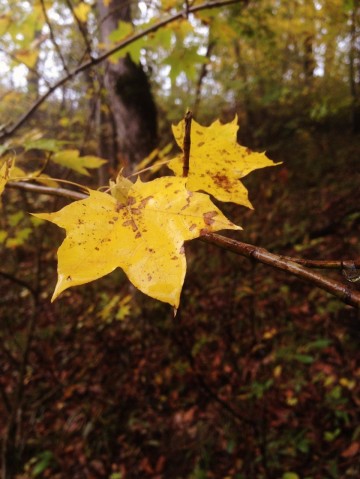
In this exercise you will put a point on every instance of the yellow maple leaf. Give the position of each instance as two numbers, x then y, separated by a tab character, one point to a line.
81	11
217	161
27	56
80	164
144	235
5	173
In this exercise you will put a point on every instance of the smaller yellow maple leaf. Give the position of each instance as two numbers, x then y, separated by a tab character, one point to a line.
5	172
81	11
217	161
143	234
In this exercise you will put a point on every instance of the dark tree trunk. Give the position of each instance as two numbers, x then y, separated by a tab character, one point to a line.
354	66
132	106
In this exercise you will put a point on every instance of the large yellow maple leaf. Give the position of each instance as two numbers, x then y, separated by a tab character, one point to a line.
143	234
217	161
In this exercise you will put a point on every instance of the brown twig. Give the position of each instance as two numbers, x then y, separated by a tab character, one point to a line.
187	143
7	132
287	264
52	36
81	28
203	73
340	290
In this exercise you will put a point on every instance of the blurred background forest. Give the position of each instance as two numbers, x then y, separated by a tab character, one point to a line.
258	376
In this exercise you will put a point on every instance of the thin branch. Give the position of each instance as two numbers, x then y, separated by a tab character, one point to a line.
19	282
7	132
340	290
31	69
203	73
81	28
47	190
288	264
324	264
187	143
52	36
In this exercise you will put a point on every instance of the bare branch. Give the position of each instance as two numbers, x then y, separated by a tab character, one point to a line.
52	36
287	264
81	28
10	130
47	190
342	291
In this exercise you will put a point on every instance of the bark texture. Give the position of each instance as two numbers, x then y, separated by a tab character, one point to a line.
133	110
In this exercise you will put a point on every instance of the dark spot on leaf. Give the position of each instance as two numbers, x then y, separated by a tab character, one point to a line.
130	223
223	181
192	227
97	249
200	144
204	231
209	217
138	235
119	206
115	218
248	151
111	222
68	278
149	277
131	200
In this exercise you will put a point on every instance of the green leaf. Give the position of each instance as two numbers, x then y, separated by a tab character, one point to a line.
124	31
47	144
290	475
303	358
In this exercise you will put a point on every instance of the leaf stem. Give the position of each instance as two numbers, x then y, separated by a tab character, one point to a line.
187	143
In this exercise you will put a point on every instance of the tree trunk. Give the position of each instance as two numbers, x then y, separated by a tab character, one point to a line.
129	97
354	64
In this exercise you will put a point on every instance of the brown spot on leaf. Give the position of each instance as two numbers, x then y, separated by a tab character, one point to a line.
223	181
97	249
138	235
131	200
119	206
132	224
68	278
209	217
149	277
192	227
